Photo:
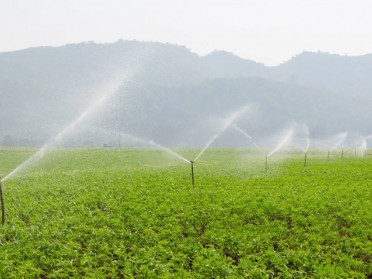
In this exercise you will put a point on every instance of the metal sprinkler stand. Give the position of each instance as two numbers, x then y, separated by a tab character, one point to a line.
2	205
266	163
305	160
192	173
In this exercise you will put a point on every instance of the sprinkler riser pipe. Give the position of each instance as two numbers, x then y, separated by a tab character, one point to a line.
266	163
305	160
192	173
2	205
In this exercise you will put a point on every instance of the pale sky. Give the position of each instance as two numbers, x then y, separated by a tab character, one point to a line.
267	31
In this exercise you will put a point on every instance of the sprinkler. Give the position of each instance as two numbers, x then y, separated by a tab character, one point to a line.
192	173
305	160
342	154
2	205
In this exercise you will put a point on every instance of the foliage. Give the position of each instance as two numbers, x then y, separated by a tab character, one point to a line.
110	213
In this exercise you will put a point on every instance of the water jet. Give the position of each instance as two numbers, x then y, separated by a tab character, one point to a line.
360	146
227	123
340	138
244	133
284	141
113	88
287	137
130	137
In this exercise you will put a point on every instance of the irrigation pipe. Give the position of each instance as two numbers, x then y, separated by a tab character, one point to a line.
2	205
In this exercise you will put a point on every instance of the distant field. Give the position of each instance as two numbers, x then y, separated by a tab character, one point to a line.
120	213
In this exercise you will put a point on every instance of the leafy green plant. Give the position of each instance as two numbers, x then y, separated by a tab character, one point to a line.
133	213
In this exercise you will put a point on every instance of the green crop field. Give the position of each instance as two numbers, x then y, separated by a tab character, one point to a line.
132	213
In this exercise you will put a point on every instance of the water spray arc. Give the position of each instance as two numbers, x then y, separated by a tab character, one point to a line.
304	149
303	139
364	147
124	135
227	123
67	130
244	133
167	150
342	138
360	146
323	146
339	138
284	141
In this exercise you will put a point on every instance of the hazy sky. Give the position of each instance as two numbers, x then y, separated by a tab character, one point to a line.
268	31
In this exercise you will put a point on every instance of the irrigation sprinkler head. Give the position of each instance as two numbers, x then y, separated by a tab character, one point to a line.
305	162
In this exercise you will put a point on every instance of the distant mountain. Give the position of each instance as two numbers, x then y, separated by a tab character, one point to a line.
175	96
222	64
344	73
